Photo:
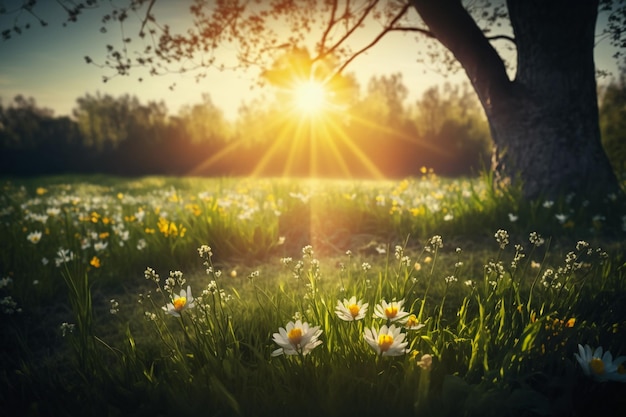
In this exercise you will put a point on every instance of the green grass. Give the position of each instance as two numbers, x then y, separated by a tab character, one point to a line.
503	314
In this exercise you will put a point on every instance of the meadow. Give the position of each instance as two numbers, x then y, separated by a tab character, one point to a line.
162	296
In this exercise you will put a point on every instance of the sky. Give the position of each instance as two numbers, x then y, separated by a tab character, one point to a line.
48	64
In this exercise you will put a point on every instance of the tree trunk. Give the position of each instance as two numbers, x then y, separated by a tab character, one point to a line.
544	123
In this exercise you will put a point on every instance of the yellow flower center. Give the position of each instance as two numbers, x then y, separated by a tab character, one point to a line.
384	342
295	336
354	309
621	369
391	312
411	321
179	303
597	366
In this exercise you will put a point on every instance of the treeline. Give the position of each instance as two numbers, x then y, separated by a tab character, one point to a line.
445	130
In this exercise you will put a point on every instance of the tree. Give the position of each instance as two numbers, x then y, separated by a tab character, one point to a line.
453	124
205	122
543	120
386	96
34	142
21	123
613	122
106	121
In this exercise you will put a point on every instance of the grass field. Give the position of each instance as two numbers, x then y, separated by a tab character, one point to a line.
232	296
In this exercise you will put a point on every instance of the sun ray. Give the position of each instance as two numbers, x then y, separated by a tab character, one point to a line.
400	135
361	156
266	158
207	163
293	151
305	133
372	169
335	149
319	138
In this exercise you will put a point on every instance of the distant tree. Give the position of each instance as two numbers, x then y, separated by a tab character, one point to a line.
106	121
101	119
21	123
33	141
253	124
385	99
453	124
205	122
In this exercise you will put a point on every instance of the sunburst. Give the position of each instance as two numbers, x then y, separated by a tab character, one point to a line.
310	97
306	134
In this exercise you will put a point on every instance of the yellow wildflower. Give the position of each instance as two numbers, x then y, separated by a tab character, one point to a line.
95	262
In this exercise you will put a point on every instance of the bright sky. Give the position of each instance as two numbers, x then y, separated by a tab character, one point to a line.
48	64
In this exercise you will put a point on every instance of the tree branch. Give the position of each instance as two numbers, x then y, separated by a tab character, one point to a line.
145	20
376	39
455	29
428	33
502	37
348	33
331	23
412	29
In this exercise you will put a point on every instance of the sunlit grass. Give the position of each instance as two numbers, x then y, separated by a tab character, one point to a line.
496	291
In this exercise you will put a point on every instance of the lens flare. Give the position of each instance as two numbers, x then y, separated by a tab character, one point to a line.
309	97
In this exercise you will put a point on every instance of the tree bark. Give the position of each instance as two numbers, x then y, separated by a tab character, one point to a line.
544	123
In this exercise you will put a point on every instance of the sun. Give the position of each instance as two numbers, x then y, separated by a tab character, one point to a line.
304	125
309	97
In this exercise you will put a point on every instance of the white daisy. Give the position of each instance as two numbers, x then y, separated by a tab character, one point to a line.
350	310
388	341
180	302
296	338
392	311
34	237
601	367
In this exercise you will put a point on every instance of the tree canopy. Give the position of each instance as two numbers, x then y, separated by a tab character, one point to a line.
259	31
